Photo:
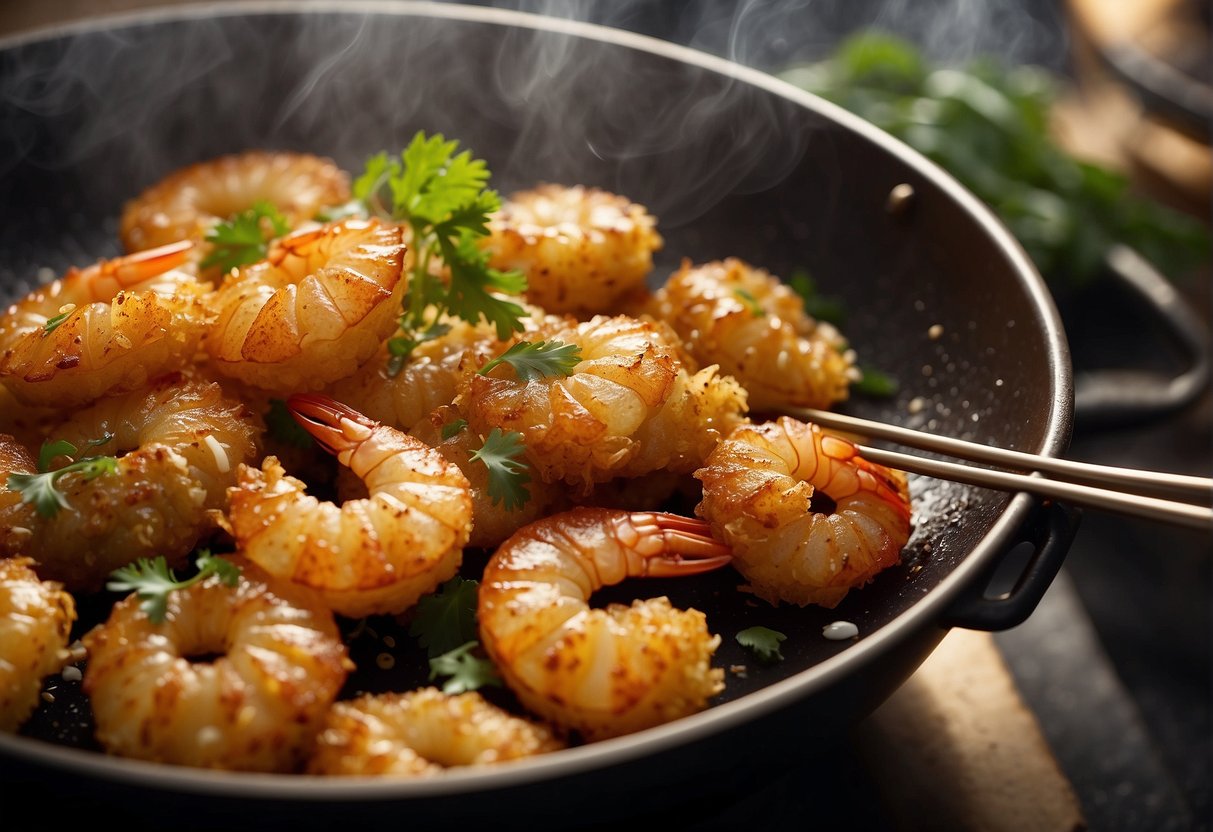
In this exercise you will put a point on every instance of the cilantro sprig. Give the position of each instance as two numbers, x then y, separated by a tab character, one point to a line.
152	581
446	619
53	323
41	489
466	671
508	474
441	193
245	237
542	359
763	642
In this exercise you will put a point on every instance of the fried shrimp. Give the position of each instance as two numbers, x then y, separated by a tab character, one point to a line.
177	445
159	693
756	329
108	328
427	381
581	249
189	202
587	427
36	618
423	733
600	672
807	517
367	556
320	304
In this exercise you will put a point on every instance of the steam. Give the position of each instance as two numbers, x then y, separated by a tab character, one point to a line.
88	120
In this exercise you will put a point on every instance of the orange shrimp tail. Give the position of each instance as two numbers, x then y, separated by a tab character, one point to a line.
326	419
687	545
144	265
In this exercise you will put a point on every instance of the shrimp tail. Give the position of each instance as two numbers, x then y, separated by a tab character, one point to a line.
337	427
681	545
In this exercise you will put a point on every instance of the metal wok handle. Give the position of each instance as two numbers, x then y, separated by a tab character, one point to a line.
1123	397
1050	531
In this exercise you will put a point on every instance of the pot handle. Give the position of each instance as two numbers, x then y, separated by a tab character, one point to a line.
1050	531
1123	397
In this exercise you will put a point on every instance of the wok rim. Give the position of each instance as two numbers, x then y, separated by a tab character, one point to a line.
718	719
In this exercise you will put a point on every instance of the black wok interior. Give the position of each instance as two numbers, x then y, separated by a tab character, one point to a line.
90	117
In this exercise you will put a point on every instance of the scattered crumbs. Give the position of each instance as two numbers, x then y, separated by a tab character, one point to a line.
916	404
738	670
840	630
389	641
935	331
47	696
71	673
927	370
998	382
919	306
915	569
386	661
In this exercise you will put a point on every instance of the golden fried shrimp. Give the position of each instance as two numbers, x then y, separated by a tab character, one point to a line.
318	306
258	706
178	444
36	618
756	329
807	517
587	427
112	327
366	556
427	381
423	733
581	249
600	672
492	522
189	202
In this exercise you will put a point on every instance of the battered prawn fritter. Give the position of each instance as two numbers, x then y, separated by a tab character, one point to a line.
423	733
629	407
319	305
191	201
755	329
159	693
108	328
581	249
177	444
36	619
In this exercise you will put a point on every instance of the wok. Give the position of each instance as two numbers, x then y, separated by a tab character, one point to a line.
732	162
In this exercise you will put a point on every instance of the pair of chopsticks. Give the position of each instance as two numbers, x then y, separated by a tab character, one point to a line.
1171	498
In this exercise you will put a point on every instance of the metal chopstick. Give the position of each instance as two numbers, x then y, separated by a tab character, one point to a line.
1086	484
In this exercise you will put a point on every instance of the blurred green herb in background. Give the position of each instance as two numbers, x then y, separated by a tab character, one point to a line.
988	125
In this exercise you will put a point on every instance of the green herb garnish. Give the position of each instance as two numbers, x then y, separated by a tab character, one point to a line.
42	489
466	671
441	195
508	474
763	641
818	307
446	619
153	581
53	323
245	237
282	426
751	303
875	383
533	361
452	428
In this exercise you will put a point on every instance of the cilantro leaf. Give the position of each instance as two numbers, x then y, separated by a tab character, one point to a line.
53	323
449	430
533	361
467	672
507	473
245	237
41	490
876	383
152	581
446	619
763	641
751	303
819	308
284	427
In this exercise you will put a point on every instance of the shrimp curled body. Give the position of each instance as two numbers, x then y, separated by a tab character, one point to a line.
600	672
177	446
318	306
423	733
366	556
807	517
581	249
257	707
36	619
108	328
